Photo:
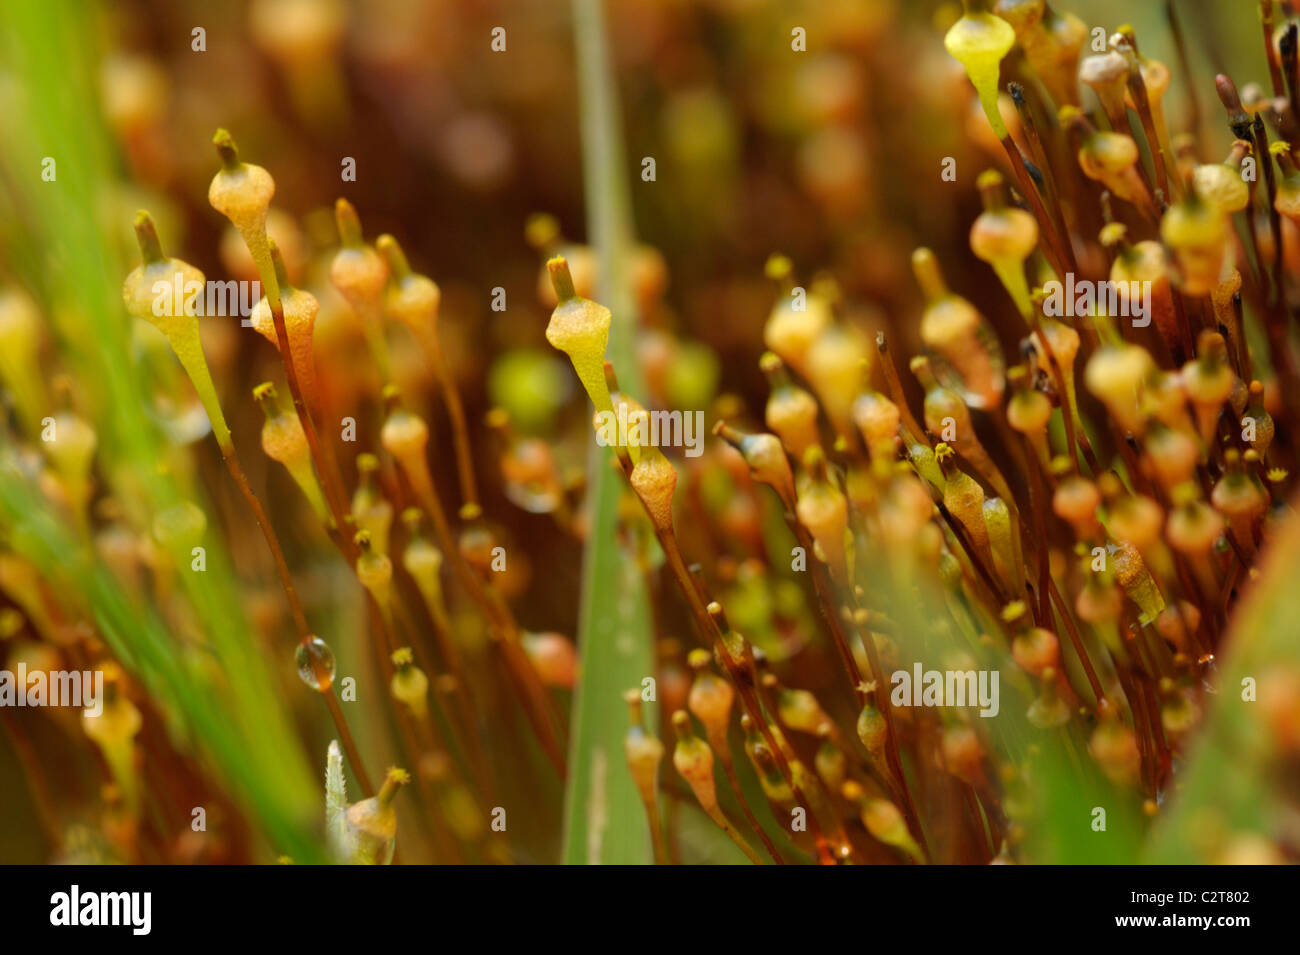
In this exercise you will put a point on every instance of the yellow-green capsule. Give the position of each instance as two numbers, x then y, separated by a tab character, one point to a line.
979	41
20	369
166	292
580	327
283	440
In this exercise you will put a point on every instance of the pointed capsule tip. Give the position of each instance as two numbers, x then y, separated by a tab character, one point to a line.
146	234
226	149
561	279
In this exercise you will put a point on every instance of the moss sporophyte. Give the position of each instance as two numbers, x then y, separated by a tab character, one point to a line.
833	603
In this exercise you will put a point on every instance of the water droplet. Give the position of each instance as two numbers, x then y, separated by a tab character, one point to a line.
315	662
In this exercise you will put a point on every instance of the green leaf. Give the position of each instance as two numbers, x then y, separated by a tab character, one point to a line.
604	818
1233	791
222	701
336	802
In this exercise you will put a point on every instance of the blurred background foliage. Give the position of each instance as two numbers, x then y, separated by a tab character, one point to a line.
831	157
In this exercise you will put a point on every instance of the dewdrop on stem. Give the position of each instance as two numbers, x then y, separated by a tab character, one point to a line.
580	327
1004	237
360	274
242	192
283	440
181	328
979	41
968	358
315	662
409	684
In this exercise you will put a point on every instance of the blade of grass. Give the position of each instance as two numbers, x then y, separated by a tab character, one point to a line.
1231	786
604	821
61	243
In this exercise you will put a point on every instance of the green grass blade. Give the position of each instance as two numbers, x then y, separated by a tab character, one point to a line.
1232	789
603	817
61	242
